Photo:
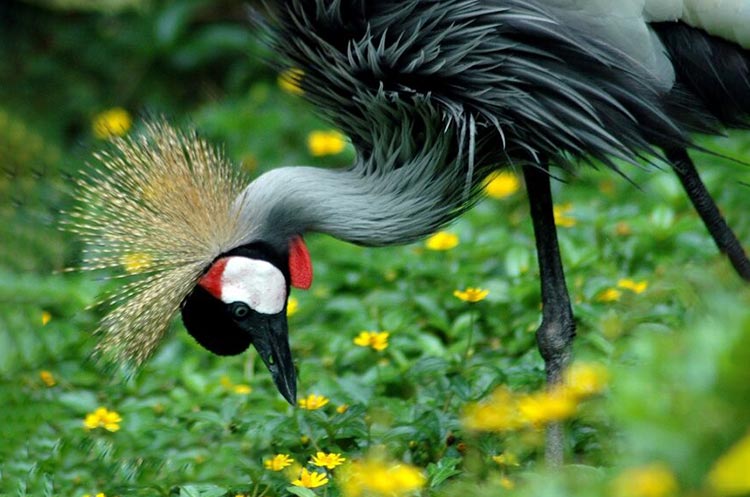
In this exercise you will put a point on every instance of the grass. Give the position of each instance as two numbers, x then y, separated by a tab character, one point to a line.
195	424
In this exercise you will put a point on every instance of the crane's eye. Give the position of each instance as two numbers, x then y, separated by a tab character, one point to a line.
240	310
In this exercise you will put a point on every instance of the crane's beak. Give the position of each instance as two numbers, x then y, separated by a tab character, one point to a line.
270	337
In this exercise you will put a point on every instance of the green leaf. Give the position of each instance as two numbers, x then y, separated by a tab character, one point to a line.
202	491
444	469
300	491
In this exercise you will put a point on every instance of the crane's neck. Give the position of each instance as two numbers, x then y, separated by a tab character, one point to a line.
364	205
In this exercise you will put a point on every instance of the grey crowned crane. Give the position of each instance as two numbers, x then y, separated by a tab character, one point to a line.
435	95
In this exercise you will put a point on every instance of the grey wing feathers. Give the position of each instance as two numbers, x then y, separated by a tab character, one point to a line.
534	80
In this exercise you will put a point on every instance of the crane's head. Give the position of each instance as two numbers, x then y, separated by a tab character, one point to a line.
241	300
166	212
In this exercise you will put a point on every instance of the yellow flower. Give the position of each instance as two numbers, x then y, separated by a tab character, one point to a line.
653	480
292	306
561	215
501	184
291	81
374	477
330	460
47	378
278	462
609	295
378	340
506	411
546	406
136	262
442	240
100	494
342	408
635	287
497	413
506	459
242	389
583	379
729	474
321	143
507	483
309	479
313	402
111	123
102	418
471	294
46	318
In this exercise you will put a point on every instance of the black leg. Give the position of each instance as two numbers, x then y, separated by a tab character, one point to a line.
556	333
706	208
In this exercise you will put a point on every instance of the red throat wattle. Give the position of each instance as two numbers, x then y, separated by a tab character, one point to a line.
300	265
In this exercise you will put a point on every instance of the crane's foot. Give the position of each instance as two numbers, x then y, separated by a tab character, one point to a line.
708	211
557	331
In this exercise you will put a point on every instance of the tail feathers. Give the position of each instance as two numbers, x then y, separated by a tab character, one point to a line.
711	70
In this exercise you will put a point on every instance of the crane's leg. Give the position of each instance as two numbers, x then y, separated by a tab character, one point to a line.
706	207
555	335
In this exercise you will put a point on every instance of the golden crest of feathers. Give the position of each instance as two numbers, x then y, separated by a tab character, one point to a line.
158	209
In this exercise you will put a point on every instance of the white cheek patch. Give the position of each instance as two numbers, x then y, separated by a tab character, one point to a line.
257	283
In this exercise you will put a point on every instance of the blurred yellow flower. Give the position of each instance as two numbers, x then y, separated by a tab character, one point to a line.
561	215
321	143
342	408
442	240
497	413
278	462
501	184
609	295
730	474
102	418
375	477
291	81
111	123
471	294
46	318
506	459
292	306
633	286
377	340
507	483
100	494
242	389
504	411
47	378
653	480
136	262
310	479
313	402
583	379
546	406
330	460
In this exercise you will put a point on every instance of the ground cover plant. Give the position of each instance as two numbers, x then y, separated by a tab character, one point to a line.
417	365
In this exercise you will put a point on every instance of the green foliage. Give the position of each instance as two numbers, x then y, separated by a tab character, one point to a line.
678	352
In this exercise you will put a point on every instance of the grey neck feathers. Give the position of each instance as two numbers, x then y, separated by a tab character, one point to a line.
378	209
